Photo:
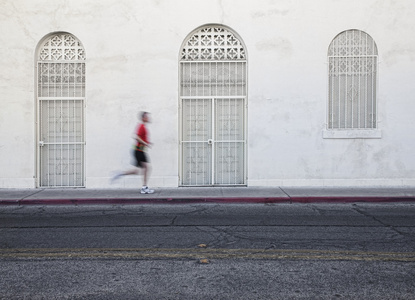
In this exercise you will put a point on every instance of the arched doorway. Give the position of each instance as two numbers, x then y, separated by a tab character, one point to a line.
213	102
60	120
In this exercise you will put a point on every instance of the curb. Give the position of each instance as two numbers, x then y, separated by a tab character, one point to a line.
351	199
195	200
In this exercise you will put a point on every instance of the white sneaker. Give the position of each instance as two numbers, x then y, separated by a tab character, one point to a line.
146	190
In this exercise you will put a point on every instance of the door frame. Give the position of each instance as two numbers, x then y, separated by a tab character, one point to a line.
79	52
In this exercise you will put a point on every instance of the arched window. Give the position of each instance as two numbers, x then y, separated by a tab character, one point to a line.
61	101
352	60
213	89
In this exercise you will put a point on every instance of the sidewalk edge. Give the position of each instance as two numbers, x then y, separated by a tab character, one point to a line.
182	200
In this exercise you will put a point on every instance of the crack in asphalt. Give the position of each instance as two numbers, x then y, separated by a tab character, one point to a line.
393	228
173	221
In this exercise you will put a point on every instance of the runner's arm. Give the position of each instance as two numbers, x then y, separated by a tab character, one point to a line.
141	141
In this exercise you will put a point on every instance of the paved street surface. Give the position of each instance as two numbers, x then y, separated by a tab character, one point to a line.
208	251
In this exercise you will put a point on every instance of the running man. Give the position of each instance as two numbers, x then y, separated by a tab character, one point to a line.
140	153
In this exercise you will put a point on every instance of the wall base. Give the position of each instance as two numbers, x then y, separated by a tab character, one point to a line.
334	182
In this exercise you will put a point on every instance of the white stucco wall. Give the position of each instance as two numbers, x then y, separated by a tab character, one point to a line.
132	49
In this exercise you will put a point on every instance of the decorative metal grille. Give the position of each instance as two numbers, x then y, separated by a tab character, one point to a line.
213	43
61	79
352	68
218	78
61	98
213	84
62	47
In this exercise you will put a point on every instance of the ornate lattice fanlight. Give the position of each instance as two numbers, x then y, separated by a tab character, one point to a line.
213	43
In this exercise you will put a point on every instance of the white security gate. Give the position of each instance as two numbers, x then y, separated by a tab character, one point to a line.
61	102
352	61
213	109
213	141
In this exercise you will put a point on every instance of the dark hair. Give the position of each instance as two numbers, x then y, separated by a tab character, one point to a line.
143	114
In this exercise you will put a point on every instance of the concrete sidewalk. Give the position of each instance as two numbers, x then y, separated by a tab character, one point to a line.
207	194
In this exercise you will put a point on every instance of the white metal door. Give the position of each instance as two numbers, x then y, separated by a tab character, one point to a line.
197	141
61	142
61	102
229	141
213	141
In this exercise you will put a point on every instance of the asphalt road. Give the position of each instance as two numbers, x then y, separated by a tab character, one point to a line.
208	251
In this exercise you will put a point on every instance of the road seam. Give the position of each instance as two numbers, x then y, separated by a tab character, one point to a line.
190	253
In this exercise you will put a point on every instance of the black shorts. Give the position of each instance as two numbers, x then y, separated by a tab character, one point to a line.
140	157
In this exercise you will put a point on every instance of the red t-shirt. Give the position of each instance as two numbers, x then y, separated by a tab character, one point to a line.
142	133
